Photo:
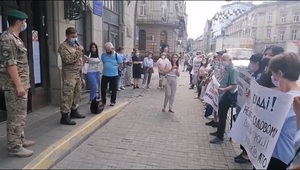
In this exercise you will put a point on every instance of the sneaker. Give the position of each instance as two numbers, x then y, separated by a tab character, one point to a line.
214	133
216	141
23	153
119	89
210	117
148	87
122	88
209	123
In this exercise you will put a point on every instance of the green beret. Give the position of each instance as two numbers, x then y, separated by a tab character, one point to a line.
17	14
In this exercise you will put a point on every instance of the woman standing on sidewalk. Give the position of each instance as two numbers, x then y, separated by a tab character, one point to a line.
93	70
137	69
171	71
122	69
148	70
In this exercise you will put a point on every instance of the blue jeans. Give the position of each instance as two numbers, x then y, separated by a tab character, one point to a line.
94	79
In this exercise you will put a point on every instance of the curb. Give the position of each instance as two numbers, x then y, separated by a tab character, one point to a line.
56	151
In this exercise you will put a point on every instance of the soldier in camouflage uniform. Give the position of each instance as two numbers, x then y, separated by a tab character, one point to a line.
14	80
71	56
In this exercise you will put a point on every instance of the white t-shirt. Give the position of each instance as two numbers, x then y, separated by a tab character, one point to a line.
196	65
162	63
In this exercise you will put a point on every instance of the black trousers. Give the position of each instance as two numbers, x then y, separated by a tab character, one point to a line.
209	110
276	164
113	86
224	106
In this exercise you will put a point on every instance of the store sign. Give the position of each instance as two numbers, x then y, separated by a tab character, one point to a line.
98	7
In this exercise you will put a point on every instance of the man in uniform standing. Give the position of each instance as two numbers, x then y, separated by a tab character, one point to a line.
14	80
71	56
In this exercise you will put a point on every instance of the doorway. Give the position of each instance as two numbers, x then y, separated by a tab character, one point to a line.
35	39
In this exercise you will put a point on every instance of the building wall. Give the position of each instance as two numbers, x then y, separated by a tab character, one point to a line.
130	22
160	16
267	23
56	28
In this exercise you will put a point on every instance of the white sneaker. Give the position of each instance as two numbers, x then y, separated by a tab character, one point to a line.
148	87
211	117
119	89
122	88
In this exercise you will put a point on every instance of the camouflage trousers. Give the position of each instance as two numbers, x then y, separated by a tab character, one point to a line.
70	94
16	118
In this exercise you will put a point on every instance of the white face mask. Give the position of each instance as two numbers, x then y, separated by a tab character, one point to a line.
24	27
275	82
225	63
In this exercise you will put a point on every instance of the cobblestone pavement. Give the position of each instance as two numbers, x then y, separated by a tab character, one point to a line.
142	137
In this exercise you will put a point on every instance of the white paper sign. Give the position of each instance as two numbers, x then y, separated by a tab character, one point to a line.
211	95
244	80
259	123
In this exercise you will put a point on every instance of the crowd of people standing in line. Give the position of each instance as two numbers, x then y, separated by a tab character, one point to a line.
273	69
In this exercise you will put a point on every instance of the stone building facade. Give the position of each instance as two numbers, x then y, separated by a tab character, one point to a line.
273	23
161	24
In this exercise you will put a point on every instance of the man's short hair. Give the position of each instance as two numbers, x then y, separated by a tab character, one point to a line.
227	55
70	30
276	50
108	44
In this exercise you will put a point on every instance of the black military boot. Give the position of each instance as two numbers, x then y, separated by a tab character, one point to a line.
66	120
75	114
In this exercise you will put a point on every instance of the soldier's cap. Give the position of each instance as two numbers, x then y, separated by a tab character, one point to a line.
17	14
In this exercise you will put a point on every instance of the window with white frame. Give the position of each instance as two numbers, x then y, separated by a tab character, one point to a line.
270	17
142	9
269	31
281	34
283	19
296	17
294	34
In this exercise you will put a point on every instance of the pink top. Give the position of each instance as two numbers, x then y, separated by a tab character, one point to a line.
202	71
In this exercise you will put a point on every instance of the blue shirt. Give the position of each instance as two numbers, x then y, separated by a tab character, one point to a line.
284	148
111	64
148	62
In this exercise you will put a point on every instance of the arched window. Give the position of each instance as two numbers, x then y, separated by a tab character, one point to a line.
142	40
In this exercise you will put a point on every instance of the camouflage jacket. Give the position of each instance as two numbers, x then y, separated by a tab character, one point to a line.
71	58
13	53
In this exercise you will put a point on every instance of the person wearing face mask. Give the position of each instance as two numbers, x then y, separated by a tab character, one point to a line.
137	69
161	64
148	69
197	61
265	78
227	96
14	81
71	54
285	70
256	69
202	73
112	61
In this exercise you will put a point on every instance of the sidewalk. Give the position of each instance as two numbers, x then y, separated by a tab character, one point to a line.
143	137
43	127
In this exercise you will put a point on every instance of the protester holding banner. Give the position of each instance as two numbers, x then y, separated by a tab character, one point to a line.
285	70
256	68
295	164
227	96
201	75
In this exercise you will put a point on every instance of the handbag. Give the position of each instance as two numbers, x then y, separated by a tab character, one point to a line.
96	106
86	66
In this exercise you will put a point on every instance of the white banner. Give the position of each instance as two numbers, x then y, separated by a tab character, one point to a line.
244	80
259	123
211	95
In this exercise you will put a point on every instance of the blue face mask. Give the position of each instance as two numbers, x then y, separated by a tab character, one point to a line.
73	40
